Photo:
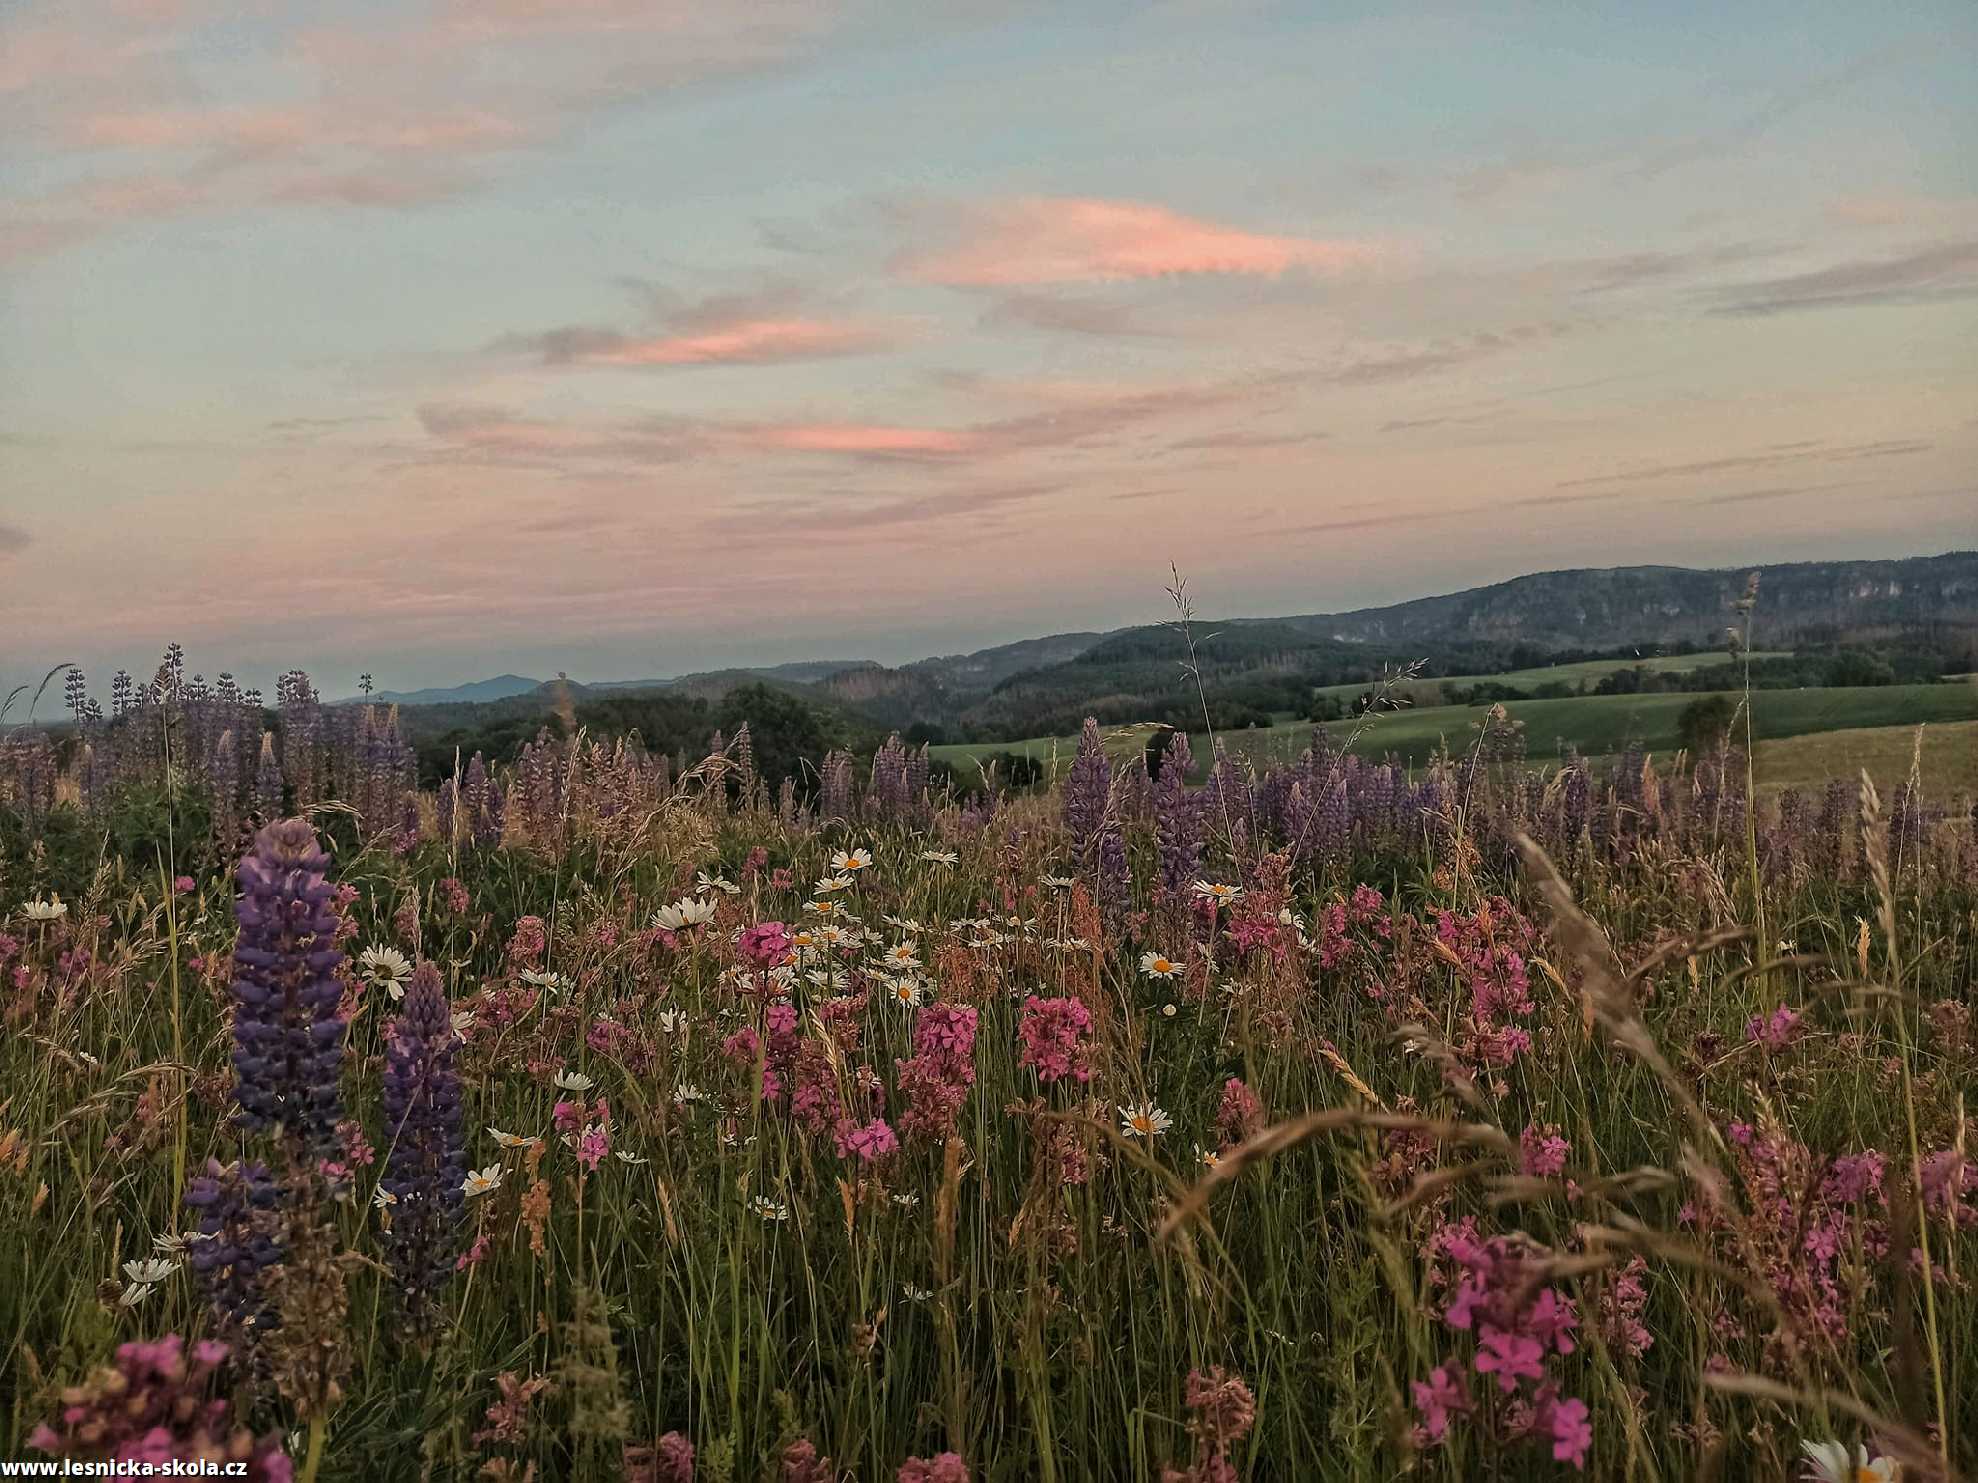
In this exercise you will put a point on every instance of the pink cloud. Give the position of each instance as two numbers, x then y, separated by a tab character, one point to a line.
869	439
747	341
1062	239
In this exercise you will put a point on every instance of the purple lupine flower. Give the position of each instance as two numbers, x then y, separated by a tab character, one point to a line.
1088	788
889	779
835	797
919	769
238	1226
288	1038
1177	821
427	1160
223	773
1115	892
268	782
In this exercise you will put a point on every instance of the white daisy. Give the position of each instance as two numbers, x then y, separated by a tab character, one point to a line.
385	968
903	955
39	910
1144	1121
770	1209
907	925
1835	1462
686	1094
904	991
1059	882
626	1156
688	911
463	1021
481	1181
136	1293
915	1294
831	884
150	1271
513	1140
574	1081
705	883
940	857
1215	891
549	983
1155	965
383	1198
672	1021
906	1201
851	860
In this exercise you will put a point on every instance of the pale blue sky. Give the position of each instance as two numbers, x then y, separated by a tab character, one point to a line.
631	338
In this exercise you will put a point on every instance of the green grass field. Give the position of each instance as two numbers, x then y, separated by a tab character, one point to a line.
1594	725
1430	692
1948	762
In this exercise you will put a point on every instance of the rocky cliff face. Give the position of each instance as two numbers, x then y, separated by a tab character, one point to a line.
1666	604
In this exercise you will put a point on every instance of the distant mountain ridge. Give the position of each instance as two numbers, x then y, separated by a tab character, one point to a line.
1265	661
1671	604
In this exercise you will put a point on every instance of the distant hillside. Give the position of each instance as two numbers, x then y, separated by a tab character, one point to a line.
479	692
1253	669
1668	604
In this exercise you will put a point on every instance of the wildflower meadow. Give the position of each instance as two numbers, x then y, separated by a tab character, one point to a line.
603	1114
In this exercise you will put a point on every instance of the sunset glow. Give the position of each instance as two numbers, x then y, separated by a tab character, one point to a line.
630	339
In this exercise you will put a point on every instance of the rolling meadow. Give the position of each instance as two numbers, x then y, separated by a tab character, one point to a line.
1388	1106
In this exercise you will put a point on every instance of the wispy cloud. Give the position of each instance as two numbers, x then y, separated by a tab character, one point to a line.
776	322
1804	452
1926	275
1035	240
1070	316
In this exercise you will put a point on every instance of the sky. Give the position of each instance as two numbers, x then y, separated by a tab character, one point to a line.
633	337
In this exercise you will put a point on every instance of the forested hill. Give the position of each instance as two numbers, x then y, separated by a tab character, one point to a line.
1593	607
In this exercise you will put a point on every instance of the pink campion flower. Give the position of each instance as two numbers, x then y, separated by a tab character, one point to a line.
869	1143
944	1467
182	884
1775	1032
593	1145
1542	1152
452	895
1551	1321
670	1460
1367	904
1240	1113
474	1255
766	944
1439	1397
1621	1309
527	942
1950	1180
1855	1178
814	1099
1053	1034
1565	1423
780	879
944	1038
1334	945
1511	1357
